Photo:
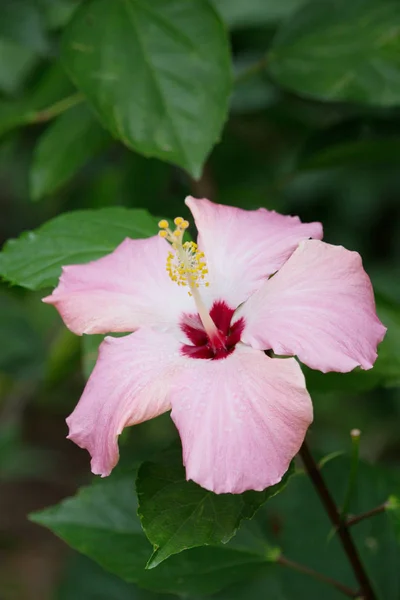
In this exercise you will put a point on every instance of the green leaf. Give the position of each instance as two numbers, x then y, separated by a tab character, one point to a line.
237	13
85	580
57	13
34	260
158	74
385	372
66	145
101	522
268	586
22	22
341	51
177	514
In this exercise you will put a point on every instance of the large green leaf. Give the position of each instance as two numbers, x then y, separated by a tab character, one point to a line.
341	51
268	586
158	74
238	13
85	580
101	522
177	514
34	260
385	372
66	145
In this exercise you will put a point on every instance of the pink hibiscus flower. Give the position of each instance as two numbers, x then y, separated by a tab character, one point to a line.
202	317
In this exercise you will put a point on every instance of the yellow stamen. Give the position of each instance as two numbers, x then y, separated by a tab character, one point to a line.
185	264
187	267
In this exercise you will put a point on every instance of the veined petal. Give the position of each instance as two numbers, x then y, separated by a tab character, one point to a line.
130	384
241	419
320	306
244	247
122	291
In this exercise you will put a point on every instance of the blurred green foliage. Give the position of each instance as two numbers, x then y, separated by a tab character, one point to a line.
119	109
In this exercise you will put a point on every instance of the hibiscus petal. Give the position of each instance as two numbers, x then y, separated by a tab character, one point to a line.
129	384
244	247
320	306
122	291
241	419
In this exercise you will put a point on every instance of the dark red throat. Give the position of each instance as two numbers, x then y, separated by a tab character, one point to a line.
201	345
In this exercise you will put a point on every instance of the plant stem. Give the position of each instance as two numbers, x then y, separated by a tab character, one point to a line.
319	576
366	591
251	70
369	513
355	450
56	109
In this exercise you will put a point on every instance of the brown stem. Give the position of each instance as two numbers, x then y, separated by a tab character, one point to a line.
332	582
55	109
369	513
366	591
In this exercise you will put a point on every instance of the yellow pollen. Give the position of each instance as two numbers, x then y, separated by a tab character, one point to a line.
186	265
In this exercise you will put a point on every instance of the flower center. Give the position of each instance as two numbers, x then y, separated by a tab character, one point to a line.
186	266
201	346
